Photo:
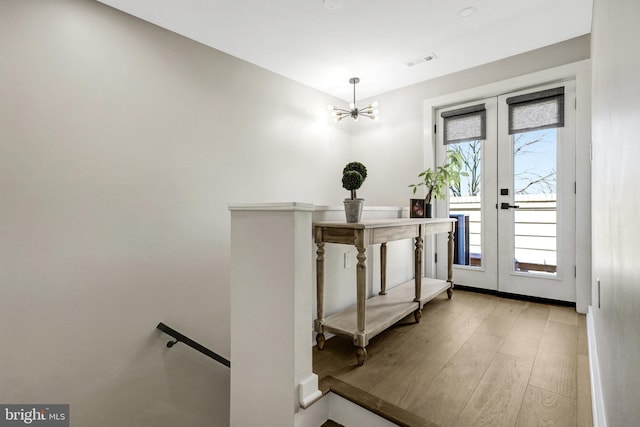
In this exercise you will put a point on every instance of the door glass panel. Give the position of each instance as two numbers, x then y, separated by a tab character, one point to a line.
535	194
465	204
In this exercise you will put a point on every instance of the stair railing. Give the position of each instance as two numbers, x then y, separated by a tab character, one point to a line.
191	343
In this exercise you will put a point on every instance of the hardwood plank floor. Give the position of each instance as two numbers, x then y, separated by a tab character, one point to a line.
475	360
544	408
444	398
497	399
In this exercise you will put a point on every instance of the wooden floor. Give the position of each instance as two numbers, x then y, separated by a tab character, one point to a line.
476	360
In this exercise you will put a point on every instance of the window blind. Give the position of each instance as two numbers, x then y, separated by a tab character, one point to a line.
536	110
465	124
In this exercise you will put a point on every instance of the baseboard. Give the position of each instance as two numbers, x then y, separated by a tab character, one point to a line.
314	416
515	296
597	402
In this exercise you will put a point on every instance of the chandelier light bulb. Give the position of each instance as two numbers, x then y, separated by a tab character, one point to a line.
369	111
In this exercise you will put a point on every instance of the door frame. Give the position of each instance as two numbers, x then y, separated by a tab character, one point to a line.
580	72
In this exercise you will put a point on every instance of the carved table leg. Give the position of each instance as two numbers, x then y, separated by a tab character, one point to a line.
383	269
361	277
320	295
417	315
418	264
360	338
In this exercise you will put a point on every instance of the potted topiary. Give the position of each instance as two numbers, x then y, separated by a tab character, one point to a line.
436	182
353	175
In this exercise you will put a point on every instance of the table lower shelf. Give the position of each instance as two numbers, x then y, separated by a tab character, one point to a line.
383	311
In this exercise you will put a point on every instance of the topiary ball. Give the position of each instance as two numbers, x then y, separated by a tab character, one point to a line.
358	167
352	180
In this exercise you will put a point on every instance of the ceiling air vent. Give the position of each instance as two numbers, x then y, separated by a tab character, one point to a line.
422	59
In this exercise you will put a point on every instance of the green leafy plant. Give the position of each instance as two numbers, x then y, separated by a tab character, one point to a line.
353	175
437	181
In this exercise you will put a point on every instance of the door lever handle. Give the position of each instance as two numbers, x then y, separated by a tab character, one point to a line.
507	206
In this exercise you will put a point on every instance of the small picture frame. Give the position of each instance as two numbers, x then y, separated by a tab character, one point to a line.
416	208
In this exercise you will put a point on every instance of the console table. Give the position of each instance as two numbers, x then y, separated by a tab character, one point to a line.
369	317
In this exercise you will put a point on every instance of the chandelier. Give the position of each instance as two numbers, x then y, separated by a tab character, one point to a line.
354	112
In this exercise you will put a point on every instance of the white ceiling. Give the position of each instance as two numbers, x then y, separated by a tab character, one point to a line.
320	47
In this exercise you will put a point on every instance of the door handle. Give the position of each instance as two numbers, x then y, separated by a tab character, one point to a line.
507	206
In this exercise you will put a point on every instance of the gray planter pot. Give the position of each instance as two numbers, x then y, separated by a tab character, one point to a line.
353	209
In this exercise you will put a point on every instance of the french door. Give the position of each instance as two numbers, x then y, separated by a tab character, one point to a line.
516	206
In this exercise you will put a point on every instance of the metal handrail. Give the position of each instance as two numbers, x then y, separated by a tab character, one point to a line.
191	343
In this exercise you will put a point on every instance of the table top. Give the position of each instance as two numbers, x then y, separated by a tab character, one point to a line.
381	223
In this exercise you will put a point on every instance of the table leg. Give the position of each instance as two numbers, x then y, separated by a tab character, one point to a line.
320	339
361	355
418	264
383	269
360	339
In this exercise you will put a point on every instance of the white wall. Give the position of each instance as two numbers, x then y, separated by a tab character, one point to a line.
121	145
616	206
